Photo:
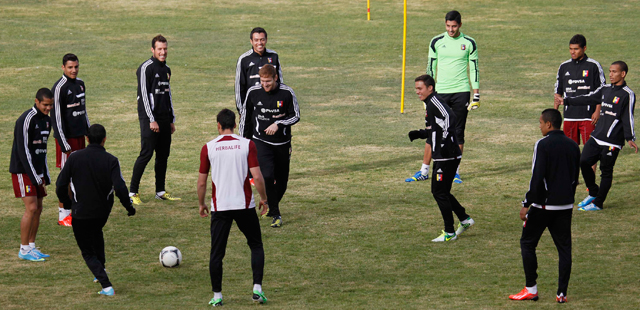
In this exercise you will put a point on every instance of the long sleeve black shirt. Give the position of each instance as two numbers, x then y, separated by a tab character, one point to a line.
247	69
440	123
576	78
69	113
29	150
154	93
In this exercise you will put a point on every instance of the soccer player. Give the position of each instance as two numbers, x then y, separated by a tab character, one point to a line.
157	117
607	139
450	54
549	203
70	119
442	146
248	66
29	170
94	176
230	158
579	76
274	108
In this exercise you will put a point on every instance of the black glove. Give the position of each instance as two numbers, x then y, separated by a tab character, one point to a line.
131	211
417	134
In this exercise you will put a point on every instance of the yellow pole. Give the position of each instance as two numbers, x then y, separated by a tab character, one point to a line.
404	56
368	11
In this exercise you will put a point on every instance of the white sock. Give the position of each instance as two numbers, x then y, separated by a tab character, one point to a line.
458	170
24	249
425	169
107	288
217	295
533	289
160	193
32	245
257	287
132	194
61	214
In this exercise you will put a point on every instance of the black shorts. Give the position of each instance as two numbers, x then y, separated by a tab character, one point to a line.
458	102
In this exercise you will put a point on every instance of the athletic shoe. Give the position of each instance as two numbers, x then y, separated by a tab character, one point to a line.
457	179
277	221
251	181
259	297
445	237
464	225
95	280
590	207
107	291
417	177
524	295
31	257
37	253
66	221
216	302
135	199
167	196
266	214
586	201
561	298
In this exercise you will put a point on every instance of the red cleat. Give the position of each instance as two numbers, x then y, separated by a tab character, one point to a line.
66	221
524	295
561	298
251	181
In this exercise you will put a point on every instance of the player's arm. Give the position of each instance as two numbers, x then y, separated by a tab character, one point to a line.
86	113
433	60
205	165
145	83
474	72
21	134
62	183
258	179
240	85
537	184
558	89
245	128
293	111
280	77
627	121
594	97
59	109
120	187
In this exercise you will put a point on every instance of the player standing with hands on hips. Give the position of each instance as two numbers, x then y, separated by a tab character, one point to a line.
29	170
94	176
230	158
450	54
274	108
157	117
607	139
549	203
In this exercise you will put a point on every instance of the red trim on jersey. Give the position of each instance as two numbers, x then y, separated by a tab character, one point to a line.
248	193
213	196
205	165
227	138
253	155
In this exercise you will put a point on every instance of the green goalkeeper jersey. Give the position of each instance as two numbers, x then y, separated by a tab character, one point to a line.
448	61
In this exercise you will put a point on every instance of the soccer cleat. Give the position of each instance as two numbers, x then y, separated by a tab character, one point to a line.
95	280
251	181
586	201
107	291
66	221
135	199
277	221
266	214
30	256
259	297
590	207
462	226
37	253
417	177
216	302
524	295
445	237
457	179
561	298
167	196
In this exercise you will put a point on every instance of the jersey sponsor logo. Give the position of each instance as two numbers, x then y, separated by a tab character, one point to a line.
575	81
585	73
607	105
584	87
279	104
41	151
37	141
78	113
263	110
616	99
227	147
444	46
269	59
259	103
255	76
73	105
263	118
567	73
463	47
163	83
611	113
279	115
44	132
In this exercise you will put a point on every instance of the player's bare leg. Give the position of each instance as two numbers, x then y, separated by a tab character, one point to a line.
31	209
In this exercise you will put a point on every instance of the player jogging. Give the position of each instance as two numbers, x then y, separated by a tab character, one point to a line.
607	139
450	54
230	158
442	146
549	203
29	170
70	119
157	117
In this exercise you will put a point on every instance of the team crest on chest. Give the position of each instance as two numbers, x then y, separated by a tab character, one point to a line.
279	104
463	47
616	99
269	60
585	73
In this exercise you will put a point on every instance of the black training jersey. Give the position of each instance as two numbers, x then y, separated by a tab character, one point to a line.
154	92
261	109
69	113
616	115
440	123
247	69
576	78
29	150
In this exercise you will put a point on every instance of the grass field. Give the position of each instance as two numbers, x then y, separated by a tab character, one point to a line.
356	236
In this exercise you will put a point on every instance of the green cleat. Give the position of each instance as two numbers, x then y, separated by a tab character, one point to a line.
259	297
216	302
444	237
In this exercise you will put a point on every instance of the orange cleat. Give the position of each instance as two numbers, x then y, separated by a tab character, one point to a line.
524	295
66	221
561	298
251	181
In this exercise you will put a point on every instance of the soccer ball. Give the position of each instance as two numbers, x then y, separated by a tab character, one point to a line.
170	257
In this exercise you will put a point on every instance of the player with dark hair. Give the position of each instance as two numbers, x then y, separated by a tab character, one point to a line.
269	111
450	55
579	76
29	170
230	157
442	147
549	203
94	176
70	119
607	139
248	66
157	118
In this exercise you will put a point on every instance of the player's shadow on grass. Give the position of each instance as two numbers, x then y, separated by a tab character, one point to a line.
361	166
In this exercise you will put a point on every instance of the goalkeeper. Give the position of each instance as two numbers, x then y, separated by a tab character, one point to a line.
450	55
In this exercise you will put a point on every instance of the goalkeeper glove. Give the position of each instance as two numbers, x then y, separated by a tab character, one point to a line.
418	134
475	103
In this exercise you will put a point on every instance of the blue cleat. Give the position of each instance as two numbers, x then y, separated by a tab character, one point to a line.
417	177
457	179
107	291
586	201
590	207
30	256
37	253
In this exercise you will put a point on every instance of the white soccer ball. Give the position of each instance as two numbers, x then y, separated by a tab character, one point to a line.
170	257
